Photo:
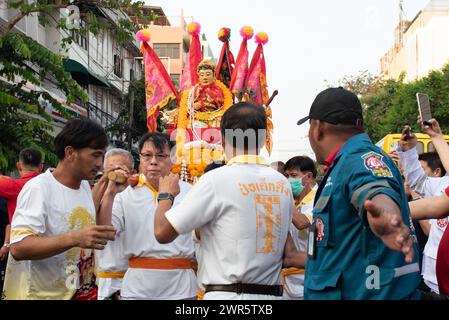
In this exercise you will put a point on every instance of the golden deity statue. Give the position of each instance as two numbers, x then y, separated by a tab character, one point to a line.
203	105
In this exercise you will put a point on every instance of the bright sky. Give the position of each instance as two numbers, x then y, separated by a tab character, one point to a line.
311	43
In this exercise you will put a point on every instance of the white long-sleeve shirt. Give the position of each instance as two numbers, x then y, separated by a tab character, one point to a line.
427	187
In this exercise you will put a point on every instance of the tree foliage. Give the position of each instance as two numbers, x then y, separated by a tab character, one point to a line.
122	128
388	105
24	122
25	64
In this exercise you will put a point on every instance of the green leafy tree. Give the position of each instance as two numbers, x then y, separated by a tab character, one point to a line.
388	105
24	122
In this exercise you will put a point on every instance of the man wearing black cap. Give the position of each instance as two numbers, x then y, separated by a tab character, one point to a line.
358	239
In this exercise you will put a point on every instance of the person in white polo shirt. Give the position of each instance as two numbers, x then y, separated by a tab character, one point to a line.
155	271
243	211
112	263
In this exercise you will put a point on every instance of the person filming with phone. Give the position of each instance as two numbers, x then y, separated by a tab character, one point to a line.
437	207
425	185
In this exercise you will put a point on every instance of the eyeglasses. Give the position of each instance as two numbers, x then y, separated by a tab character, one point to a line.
159	157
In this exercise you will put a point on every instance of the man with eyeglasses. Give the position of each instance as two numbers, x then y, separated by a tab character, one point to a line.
155	271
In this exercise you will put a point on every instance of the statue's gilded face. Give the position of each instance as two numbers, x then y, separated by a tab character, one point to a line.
206	77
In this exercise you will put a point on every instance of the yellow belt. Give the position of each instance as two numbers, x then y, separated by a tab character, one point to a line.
289	271
111	275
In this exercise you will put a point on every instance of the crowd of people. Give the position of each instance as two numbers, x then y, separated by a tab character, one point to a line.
245	230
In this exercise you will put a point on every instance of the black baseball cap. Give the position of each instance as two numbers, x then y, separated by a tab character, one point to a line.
336	106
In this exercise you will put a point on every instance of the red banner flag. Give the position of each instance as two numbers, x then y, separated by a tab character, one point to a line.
189	73
241	66
256	82
159	88
226	62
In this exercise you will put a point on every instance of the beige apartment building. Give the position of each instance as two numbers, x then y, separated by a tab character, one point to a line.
171	42
421	45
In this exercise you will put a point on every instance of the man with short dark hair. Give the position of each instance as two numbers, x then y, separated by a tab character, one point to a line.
431	164
29	166
360	212
301	173
53	230
303	170
155	271
243	211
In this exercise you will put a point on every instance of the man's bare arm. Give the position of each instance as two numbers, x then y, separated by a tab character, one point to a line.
163	230
37	247
98	191
104	212
300	220
430	208
293	257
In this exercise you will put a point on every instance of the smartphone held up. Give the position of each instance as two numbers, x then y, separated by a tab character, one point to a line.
424	108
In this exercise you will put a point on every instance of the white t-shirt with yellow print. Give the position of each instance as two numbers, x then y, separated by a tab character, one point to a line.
47	208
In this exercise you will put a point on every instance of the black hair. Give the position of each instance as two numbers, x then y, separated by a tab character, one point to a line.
214	165
303	163
160	140
30	157
250	119
79	134
433	161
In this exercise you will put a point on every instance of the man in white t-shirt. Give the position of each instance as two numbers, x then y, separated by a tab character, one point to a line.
112	263
53	230
155	271
243	210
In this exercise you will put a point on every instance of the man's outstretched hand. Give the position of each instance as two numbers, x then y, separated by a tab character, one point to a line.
388	225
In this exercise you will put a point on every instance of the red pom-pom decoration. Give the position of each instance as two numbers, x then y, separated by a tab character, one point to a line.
261	38
143	35
194	28
224	34
247	32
